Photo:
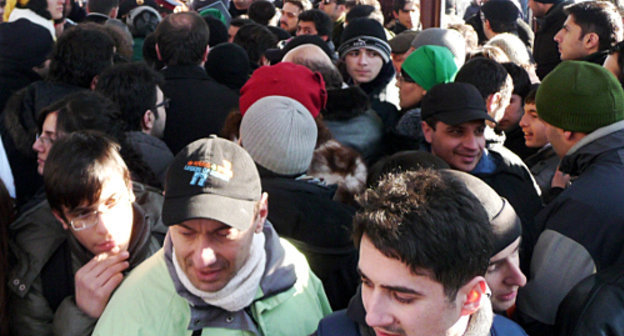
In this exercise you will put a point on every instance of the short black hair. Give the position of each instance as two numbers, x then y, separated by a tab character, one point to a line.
133	87
77	167
430	222
487	75
182	38
80	54
520	78
261	11
102	6
600	17
398	5
239	22
255	39
322	21
530	97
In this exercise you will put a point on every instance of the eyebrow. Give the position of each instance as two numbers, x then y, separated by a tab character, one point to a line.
400	289
222	227
500	260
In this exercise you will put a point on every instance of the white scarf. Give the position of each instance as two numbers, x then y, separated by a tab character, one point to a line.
25	13
240	291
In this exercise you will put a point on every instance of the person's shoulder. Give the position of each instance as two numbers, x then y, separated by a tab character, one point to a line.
504	326
337	323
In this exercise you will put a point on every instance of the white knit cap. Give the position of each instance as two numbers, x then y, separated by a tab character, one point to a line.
280	135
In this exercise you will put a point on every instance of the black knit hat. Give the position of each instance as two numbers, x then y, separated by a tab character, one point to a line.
505	223
365	33
500	11
24	42
228	64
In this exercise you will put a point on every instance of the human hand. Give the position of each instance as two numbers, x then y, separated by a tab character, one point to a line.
560	180
96	281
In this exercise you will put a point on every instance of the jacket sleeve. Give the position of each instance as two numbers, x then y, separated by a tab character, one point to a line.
69	320
30	314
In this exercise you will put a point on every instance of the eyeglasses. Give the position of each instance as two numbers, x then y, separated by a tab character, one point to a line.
45	140
164	103
90	219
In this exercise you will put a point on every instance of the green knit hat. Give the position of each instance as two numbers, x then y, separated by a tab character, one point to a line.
430	65
580	96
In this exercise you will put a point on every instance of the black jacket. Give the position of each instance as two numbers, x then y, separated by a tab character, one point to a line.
303	211
199	105
545	49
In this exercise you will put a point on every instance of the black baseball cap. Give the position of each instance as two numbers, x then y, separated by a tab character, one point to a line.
454	104
212	178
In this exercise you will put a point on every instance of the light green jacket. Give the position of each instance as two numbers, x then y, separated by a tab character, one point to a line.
147	303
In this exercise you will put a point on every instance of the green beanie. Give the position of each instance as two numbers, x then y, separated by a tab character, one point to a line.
430	65
579	96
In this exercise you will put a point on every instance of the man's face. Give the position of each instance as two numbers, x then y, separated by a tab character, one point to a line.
363	65
242	4
556	137
330	8
461	146
505	277
409	15
158	127
533	128
570	40
56	7
513	113
46	139
399	302
111	217
410	93
538	9
306	28
290	15
210	252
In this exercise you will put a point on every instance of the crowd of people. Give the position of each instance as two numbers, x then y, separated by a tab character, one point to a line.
282	167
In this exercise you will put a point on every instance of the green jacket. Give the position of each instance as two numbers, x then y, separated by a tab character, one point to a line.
37	240
290	300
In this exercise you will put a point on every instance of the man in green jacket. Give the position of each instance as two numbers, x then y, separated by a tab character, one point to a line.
223	270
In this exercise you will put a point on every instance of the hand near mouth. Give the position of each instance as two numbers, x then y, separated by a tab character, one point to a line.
96	281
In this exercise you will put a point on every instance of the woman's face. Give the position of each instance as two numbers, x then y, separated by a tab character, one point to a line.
56	7
363	65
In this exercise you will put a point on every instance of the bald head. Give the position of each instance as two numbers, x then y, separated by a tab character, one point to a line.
307	53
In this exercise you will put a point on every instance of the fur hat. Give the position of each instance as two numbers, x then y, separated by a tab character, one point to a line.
580	96
365	33
280	135
288	80
24	42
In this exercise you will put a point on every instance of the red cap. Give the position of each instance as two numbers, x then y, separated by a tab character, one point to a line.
288	80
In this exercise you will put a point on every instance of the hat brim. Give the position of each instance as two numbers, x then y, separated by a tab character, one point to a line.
233	212
456	117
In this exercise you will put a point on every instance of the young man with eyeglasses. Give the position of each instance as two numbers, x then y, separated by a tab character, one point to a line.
65	272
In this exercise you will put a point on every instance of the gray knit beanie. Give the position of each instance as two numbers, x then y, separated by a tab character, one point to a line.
280	135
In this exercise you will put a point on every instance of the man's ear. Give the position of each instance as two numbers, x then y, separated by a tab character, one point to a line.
113	13
60	217
94	82
471	295
158	52
427	131
147	122
263	212
205	57
395	14
591	41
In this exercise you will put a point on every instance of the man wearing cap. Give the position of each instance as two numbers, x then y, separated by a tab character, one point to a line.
399	47
413	284
591	28
550	18
223	270
582	105
454	129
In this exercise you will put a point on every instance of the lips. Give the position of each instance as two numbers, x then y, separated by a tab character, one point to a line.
209	275
507	296
384	333
106	246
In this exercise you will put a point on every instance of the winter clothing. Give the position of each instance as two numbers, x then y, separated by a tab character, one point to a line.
430	65
500	11
152	300
449	38
545	49
466	105
25	13
593	306
288	80
228	64
303	210
365	33
582	228
199	105
47	257
153	151
402	42
574	88
280	134
543	165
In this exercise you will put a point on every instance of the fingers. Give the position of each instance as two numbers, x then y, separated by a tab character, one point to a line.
101	261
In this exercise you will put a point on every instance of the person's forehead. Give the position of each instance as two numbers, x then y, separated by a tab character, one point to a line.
466	124
203	225
291	8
